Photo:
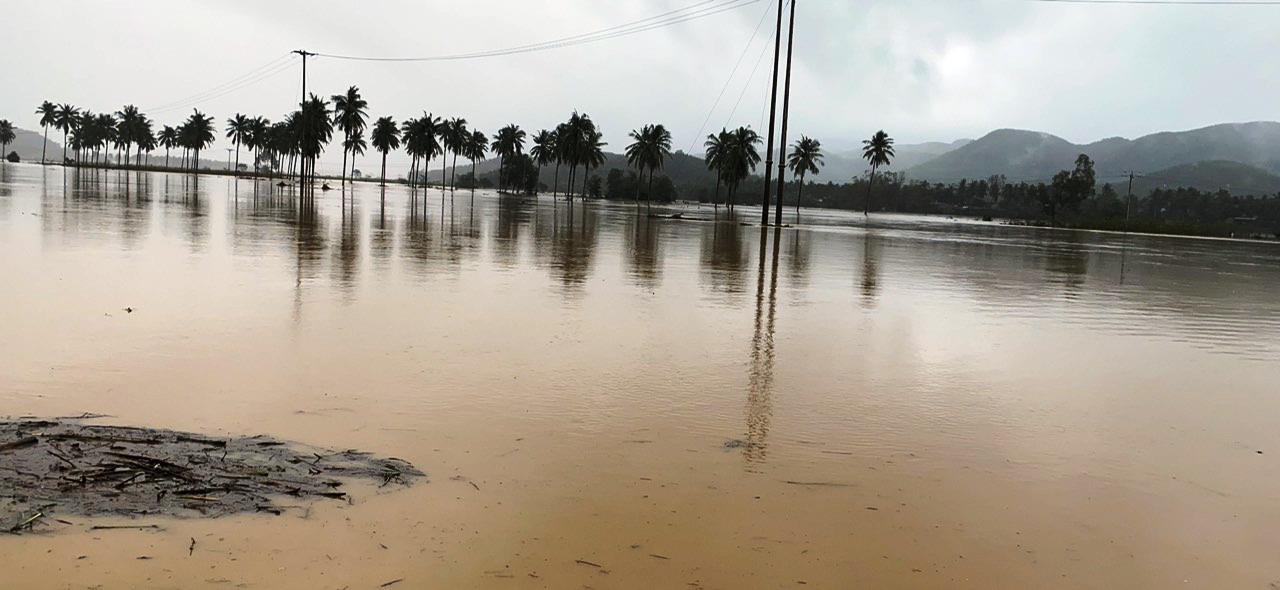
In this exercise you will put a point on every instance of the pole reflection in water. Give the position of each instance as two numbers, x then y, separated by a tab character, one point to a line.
760	380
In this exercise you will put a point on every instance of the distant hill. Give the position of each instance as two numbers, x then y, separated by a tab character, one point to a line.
1206	176
27	144
1032	156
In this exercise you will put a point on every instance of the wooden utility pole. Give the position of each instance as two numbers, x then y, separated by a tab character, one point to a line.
773	109
302	176
786	108
1127	200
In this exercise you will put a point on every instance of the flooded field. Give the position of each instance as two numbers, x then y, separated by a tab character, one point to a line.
604	400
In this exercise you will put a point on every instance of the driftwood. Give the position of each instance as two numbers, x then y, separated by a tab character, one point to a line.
65	467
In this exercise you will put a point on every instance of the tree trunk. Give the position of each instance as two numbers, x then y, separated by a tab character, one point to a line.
384	168
556	183
44	146
716	200
648	199
237	158
871	180
799	190
474	183
453	173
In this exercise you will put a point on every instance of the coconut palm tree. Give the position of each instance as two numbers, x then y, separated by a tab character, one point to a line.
592	157
718	147
315	128
146	143
507	142
454	136
422	140
355	145
128	120
477	145
571	143
544	149
239	129
6	137
877	151
385	137
48	116
349	115
65	120
168	139
650	148
107	131
741	158
258	138
805	158
198	135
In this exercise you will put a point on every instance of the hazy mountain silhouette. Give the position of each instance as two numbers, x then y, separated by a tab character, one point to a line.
1206	176
27	144
1032	156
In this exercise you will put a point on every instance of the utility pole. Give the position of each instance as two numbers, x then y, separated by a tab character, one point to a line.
773	109
1127	200
305	54
786	107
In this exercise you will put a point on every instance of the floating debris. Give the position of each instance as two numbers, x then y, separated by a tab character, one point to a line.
66	467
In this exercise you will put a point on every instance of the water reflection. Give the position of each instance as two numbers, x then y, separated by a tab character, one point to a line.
644	264
1213	294
870	278
724	258
760	379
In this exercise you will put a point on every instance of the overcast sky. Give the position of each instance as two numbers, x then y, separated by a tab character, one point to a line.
922	70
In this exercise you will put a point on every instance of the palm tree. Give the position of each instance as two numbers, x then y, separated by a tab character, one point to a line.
356	145
592	157
805	158
146	142
544	149
315	128
740	159
48	116
65	120
239	129
877	151
422	140
168	139
198	136
107	132
571	143
386	137
128	122
454	134
258	138
652	146
507	142
349	116
6	137
477	145
718	147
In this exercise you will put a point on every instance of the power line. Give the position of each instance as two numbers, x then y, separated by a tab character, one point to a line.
732	73
693	12
279	69
1167	2
237	79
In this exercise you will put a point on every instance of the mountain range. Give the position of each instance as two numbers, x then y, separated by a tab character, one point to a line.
1243	155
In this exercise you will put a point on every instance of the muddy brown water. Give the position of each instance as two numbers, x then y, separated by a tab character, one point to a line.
903	402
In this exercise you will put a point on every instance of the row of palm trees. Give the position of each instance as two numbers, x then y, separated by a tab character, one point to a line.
91	136
300	138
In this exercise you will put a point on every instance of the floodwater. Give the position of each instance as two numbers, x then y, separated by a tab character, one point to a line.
904	402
